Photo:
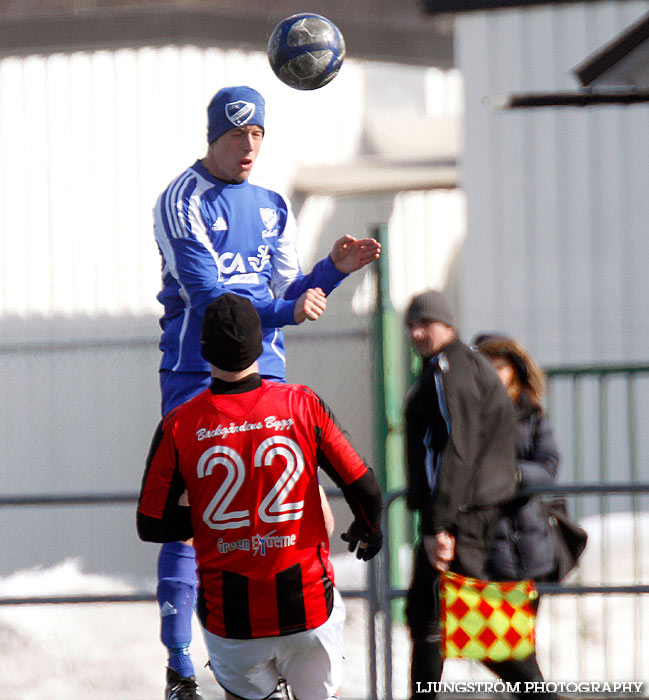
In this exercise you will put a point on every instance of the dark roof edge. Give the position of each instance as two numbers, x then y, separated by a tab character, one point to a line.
434	7
610	54
584	98
109	29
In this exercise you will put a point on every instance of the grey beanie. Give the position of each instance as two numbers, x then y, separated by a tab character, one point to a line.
432	306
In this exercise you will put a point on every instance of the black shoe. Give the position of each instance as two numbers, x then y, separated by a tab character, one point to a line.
181	688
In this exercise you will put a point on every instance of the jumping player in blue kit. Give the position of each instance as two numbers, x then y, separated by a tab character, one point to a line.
219	232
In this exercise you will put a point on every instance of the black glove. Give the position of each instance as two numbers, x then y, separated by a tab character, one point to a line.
370	544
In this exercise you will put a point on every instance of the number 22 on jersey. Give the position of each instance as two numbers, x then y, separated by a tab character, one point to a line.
274	507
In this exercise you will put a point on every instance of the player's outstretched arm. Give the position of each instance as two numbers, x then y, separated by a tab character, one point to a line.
310	305
349	254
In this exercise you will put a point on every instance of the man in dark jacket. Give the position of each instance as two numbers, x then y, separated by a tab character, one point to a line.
461	449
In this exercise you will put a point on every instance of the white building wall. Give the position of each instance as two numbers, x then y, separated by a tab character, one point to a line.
88	141
557	198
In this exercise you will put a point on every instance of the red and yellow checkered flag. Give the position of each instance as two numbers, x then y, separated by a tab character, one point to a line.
487	620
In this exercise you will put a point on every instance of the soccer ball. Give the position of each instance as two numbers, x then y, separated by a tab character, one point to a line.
306	51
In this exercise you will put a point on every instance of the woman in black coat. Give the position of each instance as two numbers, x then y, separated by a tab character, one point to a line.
523	544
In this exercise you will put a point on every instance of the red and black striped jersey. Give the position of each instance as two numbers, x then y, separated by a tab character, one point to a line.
249	464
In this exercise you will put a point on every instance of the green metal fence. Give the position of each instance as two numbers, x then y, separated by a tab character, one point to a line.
597	413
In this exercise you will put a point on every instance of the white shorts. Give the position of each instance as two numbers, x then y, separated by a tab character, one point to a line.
311	661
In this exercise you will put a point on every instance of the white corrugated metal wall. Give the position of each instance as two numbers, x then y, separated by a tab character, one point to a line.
556	251
89	140
556	254
558	199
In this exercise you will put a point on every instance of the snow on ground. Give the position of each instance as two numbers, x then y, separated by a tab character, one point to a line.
112	652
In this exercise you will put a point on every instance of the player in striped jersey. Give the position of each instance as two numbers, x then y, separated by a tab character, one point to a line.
218	231
247	451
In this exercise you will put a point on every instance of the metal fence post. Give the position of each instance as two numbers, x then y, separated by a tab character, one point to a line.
389	392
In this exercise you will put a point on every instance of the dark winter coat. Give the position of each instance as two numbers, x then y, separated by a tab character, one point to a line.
523	545
460	430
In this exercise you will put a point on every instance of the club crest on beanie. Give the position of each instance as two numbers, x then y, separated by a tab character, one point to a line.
231	337
232	107
431	305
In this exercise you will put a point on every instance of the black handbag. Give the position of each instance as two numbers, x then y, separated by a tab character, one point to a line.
570	538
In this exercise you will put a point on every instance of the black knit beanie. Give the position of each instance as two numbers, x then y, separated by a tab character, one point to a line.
430	305
231	333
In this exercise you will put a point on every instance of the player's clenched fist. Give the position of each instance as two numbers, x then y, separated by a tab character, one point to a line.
310	305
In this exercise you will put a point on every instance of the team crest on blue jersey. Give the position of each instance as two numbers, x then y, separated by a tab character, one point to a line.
270	218
239	112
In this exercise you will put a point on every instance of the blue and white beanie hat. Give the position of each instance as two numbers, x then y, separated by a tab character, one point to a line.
232	107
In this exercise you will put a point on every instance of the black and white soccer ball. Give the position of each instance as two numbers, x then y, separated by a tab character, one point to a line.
306	51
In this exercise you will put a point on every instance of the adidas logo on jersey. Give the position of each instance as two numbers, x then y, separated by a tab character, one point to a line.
167	609
220	224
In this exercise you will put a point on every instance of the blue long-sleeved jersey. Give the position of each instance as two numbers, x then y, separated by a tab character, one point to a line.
216	237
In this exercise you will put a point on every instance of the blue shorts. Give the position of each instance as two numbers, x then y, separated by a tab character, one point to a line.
178	387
